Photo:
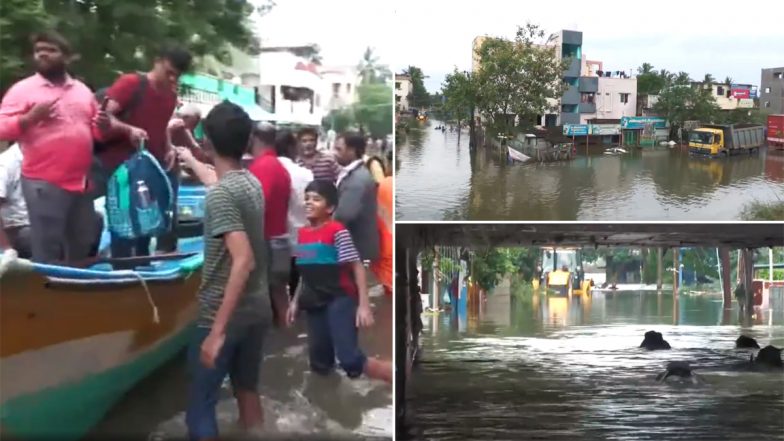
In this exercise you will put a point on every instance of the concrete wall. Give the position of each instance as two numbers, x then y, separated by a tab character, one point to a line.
342	84
719	93
403	88
608	99
771	91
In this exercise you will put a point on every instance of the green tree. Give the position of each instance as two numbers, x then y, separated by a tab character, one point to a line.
649	82
680	102
17	19
490	266
369	68
373	111
460	96
418	97
517	77
339	120
114	36
708	81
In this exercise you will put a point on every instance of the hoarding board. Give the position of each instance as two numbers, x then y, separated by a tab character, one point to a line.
740	93
746	103
639	122
605	129
575	129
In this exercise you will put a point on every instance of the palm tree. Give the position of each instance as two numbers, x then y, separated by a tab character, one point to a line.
368	66
708	81
682	78
728	81
646	68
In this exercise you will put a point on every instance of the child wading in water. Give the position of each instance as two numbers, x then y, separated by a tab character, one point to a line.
334	290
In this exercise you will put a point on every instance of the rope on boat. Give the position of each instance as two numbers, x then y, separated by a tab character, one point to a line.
10	259
155	317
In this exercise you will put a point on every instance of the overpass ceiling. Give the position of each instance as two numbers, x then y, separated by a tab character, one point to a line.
739	235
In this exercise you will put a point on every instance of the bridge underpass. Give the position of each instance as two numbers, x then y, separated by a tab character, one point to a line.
413	238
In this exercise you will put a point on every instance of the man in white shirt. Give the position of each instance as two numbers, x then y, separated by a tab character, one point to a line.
14	222
286	148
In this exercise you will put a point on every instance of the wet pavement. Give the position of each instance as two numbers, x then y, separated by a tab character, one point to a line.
439	178
296	403
535	367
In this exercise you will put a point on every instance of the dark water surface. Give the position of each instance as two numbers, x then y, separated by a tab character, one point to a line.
440	179
296	403
546	368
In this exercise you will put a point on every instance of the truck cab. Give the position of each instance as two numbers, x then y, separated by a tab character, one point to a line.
568	282
707	141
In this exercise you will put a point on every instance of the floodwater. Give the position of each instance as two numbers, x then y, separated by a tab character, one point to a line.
549	368
296	403
440	179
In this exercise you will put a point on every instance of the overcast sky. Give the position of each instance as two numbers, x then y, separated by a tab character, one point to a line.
735	39
342	28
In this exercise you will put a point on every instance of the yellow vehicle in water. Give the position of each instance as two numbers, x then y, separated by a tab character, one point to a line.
562	272
726	140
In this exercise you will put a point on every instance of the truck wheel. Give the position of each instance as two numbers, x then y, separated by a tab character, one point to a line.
724	154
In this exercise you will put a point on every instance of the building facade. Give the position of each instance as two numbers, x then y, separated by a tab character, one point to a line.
294	87
771	98
343	82
615	98
403	88
732	96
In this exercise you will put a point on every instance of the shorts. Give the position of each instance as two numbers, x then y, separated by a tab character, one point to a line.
280	261
240	359
332	331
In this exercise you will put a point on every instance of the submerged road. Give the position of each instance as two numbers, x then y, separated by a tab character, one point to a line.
547	368
439	178
296	403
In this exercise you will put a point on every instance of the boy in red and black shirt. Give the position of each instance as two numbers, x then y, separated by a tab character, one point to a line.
333	291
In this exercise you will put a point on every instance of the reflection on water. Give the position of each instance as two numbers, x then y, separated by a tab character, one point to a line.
550	368
440	179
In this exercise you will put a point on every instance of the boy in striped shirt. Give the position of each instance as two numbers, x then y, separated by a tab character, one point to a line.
333	291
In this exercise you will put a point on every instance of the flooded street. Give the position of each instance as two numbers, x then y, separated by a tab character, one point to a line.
440	179
538	367
296	402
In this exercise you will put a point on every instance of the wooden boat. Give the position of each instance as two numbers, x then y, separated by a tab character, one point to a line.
74	340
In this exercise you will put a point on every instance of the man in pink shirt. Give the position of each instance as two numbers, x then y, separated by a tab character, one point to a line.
51	116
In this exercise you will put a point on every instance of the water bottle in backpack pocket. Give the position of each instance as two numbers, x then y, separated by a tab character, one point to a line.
139	198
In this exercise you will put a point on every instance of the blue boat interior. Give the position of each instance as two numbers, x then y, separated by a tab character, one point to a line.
190	209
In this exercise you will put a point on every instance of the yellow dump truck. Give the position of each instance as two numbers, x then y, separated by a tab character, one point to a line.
726	140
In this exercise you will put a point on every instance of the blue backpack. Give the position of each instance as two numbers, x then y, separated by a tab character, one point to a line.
139	198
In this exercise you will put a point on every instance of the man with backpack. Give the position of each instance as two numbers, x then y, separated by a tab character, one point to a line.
141	106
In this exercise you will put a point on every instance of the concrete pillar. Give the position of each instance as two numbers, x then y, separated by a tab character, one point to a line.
675	275
659	268
724	259
748	278
436	294
401	332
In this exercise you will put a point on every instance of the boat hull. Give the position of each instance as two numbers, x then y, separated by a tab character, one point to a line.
69	351
517	156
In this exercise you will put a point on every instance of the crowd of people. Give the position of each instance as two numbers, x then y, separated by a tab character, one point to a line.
288	227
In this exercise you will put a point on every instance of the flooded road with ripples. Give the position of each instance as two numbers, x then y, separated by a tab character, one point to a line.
546	368
297	404
439	178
